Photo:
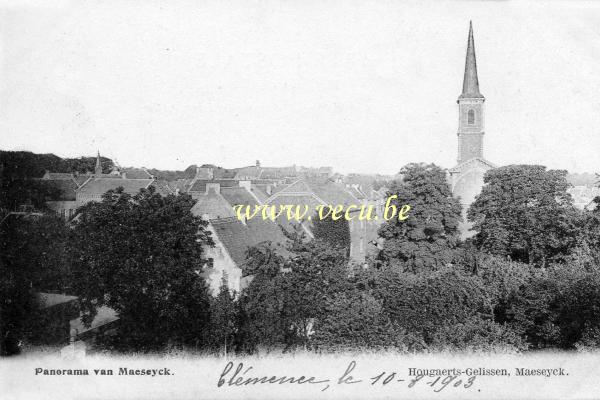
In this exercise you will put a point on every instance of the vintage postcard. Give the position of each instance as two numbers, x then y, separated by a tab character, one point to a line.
299	199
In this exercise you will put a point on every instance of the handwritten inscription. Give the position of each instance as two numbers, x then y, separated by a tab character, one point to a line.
241	375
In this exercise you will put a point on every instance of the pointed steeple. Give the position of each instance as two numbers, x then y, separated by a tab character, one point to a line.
470	81
98	169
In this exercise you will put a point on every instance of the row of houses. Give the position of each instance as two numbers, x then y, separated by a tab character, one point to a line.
217	190
75	190
232	236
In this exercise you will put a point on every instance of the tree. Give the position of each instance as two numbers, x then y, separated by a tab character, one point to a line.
589	245
579	312
223	319
18	191
534	309
142	256
287	294
428	238
20	170
425	302
32	260
525	212
477	334
355	321
334	232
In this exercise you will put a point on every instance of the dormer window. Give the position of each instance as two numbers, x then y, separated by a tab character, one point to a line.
471	117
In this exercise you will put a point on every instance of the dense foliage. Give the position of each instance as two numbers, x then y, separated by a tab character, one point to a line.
141	255
334	232
426	240
20	172
526	213
32	259
528	280
32	165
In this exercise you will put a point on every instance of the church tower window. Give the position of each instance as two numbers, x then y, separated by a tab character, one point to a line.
471	117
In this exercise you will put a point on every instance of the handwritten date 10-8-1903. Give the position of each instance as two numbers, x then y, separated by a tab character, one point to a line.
243	375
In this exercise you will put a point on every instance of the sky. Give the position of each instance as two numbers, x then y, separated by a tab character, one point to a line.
362	86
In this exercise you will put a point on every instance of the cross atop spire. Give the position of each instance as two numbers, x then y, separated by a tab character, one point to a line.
470	82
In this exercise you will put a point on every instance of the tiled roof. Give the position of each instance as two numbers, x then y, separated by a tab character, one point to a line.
238	195
180	184
200	184
297	199
101	185
237	237
223	173
267	231
260	192
137	173
313	192
298	186
214	205
80	179
332	193
278	173
276	189
252	172
356	192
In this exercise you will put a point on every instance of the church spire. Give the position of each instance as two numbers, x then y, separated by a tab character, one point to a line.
470	81
98	170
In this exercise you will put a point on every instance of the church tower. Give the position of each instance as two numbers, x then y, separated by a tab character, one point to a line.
470	109
466	178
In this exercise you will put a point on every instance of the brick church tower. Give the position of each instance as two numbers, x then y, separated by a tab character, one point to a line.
466	178
470	109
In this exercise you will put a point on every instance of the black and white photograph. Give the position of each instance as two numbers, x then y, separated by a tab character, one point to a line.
285	199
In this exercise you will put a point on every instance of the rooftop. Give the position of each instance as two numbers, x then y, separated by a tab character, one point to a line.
237	237
48	300
95	186
199	185
238	195
212	204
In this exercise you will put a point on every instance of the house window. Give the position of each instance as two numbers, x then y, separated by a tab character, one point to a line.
471	117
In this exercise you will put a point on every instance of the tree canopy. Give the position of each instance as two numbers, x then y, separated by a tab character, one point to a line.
142	256
427	239
334	232
525	212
